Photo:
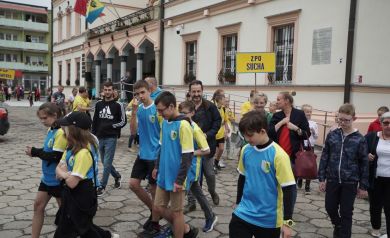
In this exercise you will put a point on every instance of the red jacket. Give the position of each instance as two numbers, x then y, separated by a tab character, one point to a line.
374	126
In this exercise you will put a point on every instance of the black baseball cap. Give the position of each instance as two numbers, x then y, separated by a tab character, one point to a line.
77	119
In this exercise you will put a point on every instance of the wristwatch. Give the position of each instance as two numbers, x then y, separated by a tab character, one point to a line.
290	223
299	131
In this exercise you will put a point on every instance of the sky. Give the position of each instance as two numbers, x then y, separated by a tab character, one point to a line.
45	3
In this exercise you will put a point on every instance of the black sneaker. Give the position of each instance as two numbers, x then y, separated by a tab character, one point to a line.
153	228
100	191
299	183
147	223
189	208
117	183
336	232
215	198
193	233
307	191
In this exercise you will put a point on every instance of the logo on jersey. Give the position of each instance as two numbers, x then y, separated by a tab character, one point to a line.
173	135
106	113
152	118
266	166
50	143
71	161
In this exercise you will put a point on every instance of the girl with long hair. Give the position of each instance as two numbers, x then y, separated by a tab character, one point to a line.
53	147
78	172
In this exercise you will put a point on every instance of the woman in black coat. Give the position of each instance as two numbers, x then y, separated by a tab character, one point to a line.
379	175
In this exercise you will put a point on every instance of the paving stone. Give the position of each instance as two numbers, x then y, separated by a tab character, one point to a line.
16	225
119	209
321	223
10	233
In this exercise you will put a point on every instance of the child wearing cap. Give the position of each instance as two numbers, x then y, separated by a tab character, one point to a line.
77	172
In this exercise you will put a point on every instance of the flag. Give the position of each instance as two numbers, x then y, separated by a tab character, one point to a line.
81	7
95	8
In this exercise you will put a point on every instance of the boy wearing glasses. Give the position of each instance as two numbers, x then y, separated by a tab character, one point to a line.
343	171
176	153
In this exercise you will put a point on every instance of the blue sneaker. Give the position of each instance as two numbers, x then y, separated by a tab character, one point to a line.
210	223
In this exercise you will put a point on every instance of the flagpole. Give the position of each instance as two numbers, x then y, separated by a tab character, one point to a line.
114	9
51	47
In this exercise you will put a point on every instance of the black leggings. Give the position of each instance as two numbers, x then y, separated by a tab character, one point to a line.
243	229
379	198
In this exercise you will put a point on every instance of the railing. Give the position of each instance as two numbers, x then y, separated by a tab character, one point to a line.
325	119
23	66
28	25
24	45
133	19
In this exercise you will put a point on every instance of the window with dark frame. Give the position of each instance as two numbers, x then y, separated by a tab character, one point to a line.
191	51
283	46
59	74
68	73
229	51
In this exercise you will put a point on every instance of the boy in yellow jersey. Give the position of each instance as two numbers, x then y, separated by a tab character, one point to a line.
265	185
248	106
223	130
187	108
172	165
81	102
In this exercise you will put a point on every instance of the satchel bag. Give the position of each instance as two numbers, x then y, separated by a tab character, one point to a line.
306	163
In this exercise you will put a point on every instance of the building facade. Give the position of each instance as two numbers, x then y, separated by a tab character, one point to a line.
128	44
309	37
71	59
25	44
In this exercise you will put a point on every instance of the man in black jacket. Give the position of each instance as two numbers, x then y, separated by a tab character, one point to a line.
209	120
108	120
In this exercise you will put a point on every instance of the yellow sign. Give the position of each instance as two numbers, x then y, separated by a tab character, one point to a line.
7	74
255	62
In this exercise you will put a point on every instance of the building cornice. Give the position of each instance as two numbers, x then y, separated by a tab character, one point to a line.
68	51
208	11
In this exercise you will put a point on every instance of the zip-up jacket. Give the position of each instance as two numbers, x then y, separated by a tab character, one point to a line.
372	142
108	119
344	159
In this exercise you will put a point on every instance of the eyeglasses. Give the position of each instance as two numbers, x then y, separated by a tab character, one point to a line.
161	110
386	123
344	120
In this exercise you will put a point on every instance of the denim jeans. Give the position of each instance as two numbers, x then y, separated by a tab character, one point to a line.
107	151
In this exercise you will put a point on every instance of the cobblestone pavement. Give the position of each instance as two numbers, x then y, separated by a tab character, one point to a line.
119	209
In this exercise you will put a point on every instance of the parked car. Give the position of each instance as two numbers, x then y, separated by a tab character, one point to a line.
4	123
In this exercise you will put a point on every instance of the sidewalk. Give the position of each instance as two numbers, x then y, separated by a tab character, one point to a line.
22	103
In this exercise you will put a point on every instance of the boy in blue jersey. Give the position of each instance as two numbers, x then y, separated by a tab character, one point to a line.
265	185
177	150
202	148
149	136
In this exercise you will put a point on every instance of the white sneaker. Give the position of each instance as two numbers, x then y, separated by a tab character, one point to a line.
221	163
113	235
375	233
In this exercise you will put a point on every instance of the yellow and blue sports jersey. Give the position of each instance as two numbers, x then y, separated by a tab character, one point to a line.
80	164
200	141
176	139
246	107
149	131
55	141
266	171
221	132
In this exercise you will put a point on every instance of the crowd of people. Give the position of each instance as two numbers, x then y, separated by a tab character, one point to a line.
180	143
